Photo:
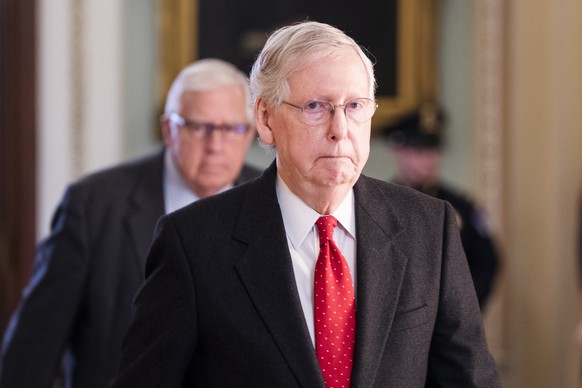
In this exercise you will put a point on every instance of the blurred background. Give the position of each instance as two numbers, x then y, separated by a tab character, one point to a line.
82	85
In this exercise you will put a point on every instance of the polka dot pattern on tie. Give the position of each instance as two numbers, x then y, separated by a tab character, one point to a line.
334	309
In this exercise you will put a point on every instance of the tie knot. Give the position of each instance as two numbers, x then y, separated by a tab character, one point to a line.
325	227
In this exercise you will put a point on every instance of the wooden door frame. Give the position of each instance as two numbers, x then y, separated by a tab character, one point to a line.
17	149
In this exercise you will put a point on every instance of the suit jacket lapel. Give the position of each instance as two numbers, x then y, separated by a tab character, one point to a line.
267	274
145	207
380	269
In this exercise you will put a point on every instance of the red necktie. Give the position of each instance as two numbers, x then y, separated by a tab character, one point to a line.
334	309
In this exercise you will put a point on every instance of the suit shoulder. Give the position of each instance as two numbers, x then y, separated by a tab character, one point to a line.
124	170
399	205
398	193
115	183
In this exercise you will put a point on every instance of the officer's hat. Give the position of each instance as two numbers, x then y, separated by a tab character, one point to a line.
421	129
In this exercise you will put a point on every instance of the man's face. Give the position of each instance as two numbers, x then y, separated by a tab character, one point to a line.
328	155
208	163
417	166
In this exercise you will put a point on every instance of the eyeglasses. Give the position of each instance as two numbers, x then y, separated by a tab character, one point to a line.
317	112
202	130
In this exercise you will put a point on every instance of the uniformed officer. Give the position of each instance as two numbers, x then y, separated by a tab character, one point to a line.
417	144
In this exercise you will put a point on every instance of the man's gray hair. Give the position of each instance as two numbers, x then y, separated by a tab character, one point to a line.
203	75
293	47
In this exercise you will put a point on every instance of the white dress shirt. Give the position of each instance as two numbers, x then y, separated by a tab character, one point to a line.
302	238
176	193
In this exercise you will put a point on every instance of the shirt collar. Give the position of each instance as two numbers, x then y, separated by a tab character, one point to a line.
299	218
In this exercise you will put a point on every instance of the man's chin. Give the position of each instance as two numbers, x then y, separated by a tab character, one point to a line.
339	177
212	185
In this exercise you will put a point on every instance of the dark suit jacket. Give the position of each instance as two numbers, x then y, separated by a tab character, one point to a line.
85	277
477	241
220	308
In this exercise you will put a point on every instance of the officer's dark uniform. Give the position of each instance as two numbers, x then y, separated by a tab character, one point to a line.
424	130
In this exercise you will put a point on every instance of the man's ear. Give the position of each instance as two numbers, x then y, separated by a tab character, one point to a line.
262	112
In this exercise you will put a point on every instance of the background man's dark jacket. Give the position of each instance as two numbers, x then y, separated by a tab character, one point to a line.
86	274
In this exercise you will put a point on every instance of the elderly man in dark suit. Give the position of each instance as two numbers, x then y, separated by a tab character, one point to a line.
78	304
312	275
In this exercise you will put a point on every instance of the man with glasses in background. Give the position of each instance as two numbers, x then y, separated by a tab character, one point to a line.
311	275
77	306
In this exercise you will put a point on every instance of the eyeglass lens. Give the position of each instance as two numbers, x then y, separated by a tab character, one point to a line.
358	110
200	129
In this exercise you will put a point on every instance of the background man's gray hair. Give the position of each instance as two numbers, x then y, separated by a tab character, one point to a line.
207	74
